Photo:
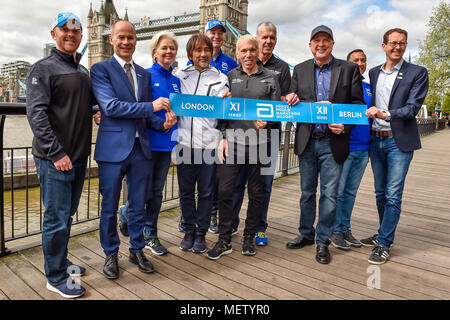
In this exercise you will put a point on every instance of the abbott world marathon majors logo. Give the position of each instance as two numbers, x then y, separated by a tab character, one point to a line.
264	110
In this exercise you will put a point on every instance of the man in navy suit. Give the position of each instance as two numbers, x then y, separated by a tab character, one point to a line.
399	89
123	91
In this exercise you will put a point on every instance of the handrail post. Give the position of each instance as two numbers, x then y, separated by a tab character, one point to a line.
287	143
3	250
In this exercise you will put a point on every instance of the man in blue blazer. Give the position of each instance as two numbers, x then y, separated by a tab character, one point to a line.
123	91
399	89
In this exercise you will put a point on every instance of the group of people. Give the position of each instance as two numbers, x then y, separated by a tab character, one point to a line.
217	159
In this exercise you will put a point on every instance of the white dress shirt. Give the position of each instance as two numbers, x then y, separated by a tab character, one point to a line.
133	72
383	94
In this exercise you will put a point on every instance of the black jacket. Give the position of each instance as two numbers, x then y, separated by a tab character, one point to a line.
262	85
59	107
345	87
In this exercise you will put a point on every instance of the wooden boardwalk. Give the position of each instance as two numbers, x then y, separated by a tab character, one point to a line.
419	266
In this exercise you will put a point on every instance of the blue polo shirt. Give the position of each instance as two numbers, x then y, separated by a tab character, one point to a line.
360	136
223	63
163	83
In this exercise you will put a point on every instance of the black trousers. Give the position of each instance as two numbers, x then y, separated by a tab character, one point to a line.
227	174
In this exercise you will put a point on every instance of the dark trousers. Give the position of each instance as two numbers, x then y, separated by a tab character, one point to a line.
228	174
196	216
136	169
61	192
159	167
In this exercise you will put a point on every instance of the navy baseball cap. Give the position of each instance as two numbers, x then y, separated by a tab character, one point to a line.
321	29
73	22
215	23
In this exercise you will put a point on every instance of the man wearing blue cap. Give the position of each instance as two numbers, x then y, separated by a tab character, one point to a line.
59	110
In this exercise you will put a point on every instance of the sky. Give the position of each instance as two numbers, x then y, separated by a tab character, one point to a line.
25	24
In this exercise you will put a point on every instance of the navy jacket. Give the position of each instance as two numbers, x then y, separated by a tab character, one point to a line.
122	115
407	96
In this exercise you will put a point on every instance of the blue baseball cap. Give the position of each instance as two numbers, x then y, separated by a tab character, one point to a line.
215	23
73	22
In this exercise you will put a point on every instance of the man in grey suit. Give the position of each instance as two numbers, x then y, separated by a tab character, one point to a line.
322	148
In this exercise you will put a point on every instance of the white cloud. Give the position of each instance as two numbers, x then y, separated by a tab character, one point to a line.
24	25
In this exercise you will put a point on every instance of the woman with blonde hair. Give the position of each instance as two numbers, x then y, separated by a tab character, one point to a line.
163	48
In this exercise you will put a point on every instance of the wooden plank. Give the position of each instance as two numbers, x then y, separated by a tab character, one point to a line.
298	280
126	286
35	257
158	280
14	287
265	289
417	284
3	296
35	279
224	278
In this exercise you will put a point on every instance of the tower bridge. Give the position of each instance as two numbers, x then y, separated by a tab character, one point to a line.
99	25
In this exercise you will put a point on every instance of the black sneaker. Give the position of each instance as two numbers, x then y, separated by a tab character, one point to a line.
188	242
156	247
213	227
199	244
379	255
370	241
180	224
248	246
219	249
338	241
350	239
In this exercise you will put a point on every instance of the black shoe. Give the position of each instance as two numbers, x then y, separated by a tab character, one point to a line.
248	246
350	239
140	259
337	240
379	255
219	249
370	241
199	245
180	225
299	242
111	267
213	226
323	254
123	227
188	241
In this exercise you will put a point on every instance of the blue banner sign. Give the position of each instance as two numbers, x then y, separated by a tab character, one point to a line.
249	109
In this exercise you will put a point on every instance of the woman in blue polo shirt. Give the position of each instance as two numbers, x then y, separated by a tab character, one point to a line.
163	48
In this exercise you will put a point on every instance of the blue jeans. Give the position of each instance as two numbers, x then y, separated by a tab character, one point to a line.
61	192
196	216
389	166
159	167
352	173
317	160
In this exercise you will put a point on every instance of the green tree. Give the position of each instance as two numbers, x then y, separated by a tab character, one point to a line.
435	55
446	105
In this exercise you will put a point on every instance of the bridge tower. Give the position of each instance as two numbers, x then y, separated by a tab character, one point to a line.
235	11
99	47
99	25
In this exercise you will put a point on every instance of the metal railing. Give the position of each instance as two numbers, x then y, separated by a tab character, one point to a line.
21	210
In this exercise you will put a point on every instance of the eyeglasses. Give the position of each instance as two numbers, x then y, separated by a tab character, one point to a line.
393	44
